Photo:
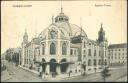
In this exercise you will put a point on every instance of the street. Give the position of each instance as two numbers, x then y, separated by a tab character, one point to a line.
17	74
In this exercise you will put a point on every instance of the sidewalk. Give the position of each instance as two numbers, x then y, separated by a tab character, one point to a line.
60	76
33	71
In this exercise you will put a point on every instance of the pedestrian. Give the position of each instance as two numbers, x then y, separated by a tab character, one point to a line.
69	73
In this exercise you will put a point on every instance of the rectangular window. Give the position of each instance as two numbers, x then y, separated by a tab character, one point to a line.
95	53
39	51
89	52
71	51
99	53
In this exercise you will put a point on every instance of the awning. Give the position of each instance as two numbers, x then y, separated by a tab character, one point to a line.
66	63
38	62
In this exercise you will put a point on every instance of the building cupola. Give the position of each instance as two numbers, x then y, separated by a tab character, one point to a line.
61	17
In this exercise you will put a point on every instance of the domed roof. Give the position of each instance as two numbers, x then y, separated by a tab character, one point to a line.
65	26
76	30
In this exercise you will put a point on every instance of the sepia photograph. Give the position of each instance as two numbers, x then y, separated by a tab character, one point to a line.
64	41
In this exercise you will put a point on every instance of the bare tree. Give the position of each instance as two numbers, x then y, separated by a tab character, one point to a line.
105	73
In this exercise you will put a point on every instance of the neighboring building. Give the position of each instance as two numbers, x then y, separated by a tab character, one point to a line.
13	54
117	54
63	47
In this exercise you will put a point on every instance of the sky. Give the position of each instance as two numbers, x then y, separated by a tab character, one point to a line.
38	15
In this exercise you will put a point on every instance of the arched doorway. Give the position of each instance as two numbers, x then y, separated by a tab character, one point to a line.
63	66
43	64
53	65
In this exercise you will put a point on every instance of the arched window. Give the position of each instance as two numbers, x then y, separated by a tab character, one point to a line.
43	49
53	34
64	49
71	51
89	62
52	49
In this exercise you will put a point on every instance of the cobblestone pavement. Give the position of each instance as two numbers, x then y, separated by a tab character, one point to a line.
17	74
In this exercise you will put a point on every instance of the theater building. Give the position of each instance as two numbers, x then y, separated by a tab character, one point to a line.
62	47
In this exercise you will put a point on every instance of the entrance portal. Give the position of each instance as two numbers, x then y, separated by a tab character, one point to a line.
63	66
53	65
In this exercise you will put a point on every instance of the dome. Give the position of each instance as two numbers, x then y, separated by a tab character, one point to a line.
76	30
65	26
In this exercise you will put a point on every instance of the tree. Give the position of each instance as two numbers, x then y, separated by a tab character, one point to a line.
105	73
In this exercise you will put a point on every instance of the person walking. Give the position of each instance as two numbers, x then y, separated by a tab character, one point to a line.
40	70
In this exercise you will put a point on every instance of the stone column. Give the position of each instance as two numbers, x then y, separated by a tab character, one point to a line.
48	69
22	55
58	69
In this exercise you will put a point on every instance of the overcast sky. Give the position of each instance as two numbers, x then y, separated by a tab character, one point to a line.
38	16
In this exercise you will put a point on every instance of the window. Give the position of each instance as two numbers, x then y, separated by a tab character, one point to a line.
123	49
119	49
39	51
89	62
95	53
115	54
52	49
89	52
64	49
75	52
111	57
99	53
71	51
43	49
84	56
105	62
84	45
53	34
119	53
94	63
99	62
84	51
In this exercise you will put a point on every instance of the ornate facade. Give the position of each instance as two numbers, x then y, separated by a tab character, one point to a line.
64	47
